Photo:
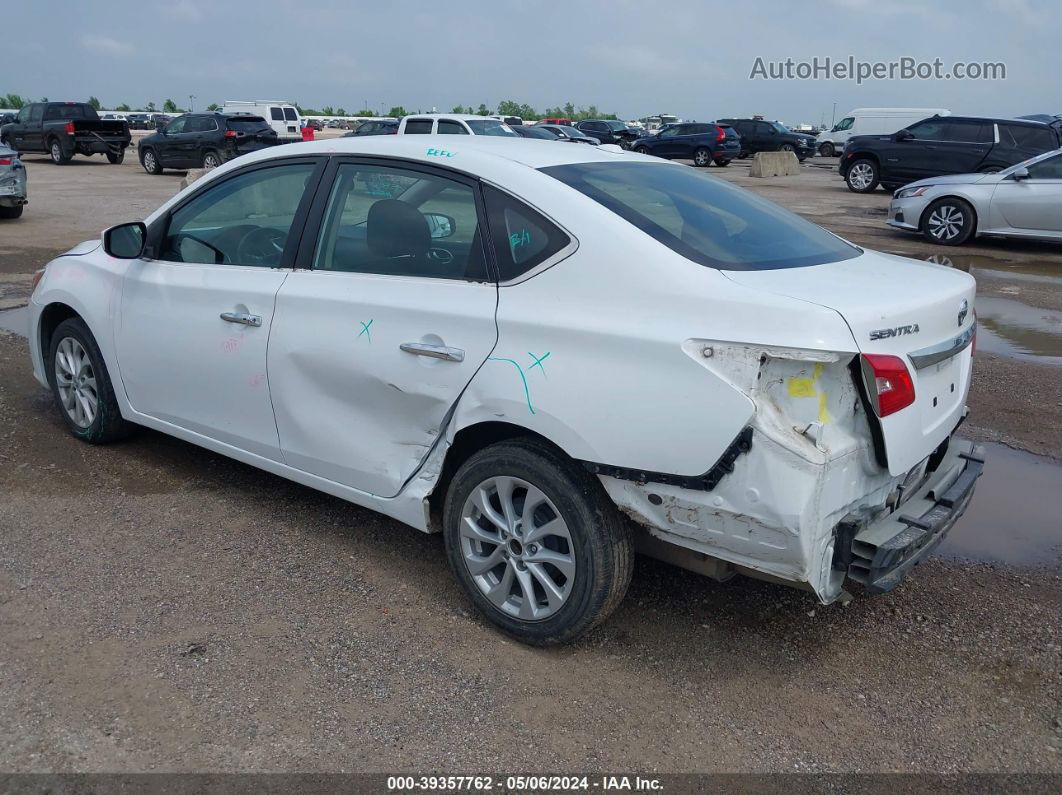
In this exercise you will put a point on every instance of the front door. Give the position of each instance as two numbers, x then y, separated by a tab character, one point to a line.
667	142
1033	204
377	333
195	320
175	144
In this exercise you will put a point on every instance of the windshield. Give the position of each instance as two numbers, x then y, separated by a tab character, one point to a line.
780	127
489	127
705	219
616	125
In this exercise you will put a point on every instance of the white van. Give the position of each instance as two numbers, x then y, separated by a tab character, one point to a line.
282	116
453	124
871	121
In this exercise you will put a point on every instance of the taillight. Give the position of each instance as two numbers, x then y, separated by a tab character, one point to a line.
230	133
69	128
720	136
5	161
889	382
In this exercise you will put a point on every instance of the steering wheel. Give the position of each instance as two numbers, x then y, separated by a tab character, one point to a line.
440	255
262	246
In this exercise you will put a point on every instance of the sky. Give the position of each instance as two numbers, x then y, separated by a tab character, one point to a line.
691	58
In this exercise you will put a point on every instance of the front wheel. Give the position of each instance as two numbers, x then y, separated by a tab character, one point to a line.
949	222
116	158
862	176
702	157
785	148
150	161
536	542
826	149
643	150
81	386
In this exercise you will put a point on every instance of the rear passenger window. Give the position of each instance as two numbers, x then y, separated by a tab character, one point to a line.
276	114
1039	139
290	114
972	132
449	127
523	238
418	127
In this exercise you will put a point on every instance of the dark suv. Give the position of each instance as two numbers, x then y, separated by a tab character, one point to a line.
204	140
609	131
701	142
758	135
381	127
942	145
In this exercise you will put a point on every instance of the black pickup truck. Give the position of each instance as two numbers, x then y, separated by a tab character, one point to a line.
65	129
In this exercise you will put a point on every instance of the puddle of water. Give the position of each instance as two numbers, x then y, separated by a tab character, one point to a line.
982	267
1010	328
1015	515
16	321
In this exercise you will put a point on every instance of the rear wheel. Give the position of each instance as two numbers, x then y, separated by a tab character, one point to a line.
81	386
150	161
55	149
643	150
949	222
826	149
535	542
211	159
116	158
702	157
11	212
862	176
722	163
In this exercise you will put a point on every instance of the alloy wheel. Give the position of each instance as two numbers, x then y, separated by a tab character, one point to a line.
946	222
517	548
861	176
57	152
701	158
210	160
76	382
149	162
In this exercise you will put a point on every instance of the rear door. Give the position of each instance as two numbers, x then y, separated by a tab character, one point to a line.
964	147
291	122
386	319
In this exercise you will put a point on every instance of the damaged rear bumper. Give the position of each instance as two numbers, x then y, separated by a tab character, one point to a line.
882	552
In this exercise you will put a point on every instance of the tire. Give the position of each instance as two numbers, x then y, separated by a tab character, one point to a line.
116	159
55	151
785	148
99	424
949	222
743	156
150	161
11	213
862	176
722	163
593	542
643	150
826	149
702	157
211	159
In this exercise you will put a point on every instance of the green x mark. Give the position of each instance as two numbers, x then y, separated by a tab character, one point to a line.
365	329
538	361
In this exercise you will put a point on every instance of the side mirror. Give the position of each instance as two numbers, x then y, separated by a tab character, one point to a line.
1019	174
904	135
440	225
125	241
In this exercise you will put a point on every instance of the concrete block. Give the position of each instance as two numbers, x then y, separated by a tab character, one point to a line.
774	164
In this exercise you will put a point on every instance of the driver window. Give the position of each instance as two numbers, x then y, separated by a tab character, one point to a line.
1047	169
400	223
241	221
670	132
845	123
176	126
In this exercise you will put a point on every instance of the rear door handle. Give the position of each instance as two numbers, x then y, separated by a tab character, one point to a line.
243	318
434	351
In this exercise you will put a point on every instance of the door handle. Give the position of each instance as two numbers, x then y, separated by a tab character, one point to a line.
434	351
243	318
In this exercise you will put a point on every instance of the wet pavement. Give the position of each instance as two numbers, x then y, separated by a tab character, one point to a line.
16	321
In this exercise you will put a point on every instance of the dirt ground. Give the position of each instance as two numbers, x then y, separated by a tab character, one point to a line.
165	608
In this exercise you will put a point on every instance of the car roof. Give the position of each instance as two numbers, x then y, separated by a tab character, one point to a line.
458	116
994	120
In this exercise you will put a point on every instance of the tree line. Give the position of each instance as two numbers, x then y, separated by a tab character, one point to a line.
506	108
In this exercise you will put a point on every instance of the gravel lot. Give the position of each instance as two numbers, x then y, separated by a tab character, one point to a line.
164	608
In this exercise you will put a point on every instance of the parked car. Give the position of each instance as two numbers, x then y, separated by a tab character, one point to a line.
535	132
65	129
557	121
937	146
6	118
1023	201
282	116
609	132
139	121
380	127
530	424
770	136
871	121
701	142
13	193
159	120
453	124
570	134
204	140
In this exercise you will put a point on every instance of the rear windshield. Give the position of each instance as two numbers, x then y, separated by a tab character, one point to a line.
489	127
247	124
705	219
69	112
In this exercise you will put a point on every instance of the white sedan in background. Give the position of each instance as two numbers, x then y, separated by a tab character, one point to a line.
1023	201
525	347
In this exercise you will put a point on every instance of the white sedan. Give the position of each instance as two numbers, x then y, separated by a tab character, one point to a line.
526	347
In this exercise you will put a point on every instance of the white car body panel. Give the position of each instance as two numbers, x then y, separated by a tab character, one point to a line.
620	351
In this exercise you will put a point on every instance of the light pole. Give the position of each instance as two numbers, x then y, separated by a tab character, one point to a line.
833	118
191	103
